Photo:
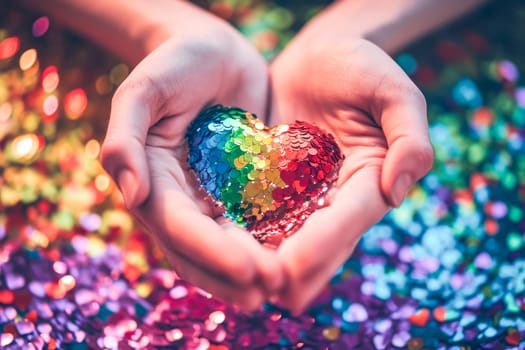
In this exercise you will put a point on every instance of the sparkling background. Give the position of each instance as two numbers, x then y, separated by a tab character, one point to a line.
444	271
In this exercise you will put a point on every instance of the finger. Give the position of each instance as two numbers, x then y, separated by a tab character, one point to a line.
247	297
123	154
251	88
178	222
385	92
171	196
182	229
269	270
399	107
156	87
410	155
229	255
328	237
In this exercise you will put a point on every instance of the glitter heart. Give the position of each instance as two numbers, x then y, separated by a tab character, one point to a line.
267	180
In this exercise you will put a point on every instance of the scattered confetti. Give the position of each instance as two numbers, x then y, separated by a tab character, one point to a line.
446	270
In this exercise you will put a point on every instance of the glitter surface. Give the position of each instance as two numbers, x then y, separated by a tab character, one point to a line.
267	180
446	270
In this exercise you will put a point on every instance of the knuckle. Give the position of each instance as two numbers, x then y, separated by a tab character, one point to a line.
137	86
109	152
400	88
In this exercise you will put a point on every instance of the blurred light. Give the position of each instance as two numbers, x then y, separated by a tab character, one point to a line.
50	79
7	338
27	59
50	105
266	40
40	26
31	121
508	71
75	103
60	267
67	282
103	85
8	47
92	149
174	334
37	239
25	147
102	182
520	96
118	73
217	317
5	111
466	93
407	62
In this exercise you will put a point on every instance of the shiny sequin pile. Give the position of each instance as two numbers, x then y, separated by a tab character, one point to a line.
267	180
446	270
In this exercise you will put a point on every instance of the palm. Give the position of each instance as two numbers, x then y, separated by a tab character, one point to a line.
152	111
312	92
357	93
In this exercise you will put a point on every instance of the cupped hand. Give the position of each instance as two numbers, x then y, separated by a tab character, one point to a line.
378	116
144	151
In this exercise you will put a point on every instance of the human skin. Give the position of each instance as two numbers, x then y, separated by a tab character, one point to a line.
187	59
331	74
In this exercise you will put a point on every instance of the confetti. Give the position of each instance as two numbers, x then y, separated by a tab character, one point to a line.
446	270
267	180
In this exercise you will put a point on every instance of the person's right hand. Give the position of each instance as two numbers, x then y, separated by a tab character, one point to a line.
204	63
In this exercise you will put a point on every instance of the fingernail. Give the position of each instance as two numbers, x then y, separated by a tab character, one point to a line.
400	189
128	187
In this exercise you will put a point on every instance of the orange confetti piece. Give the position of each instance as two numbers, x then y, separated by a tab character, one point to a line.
491	227
52	345
483	116
420	318
439	314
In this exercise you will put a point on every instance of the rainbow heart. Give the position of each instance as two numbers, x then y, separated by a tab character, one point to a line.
267	180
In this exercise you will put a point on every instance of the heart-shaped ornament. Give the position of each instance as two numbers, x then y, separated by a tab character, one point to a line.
269	180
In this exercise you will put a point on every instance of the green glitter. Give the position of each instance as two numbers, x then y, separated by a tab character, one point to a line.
514	241
477	153
515	214
509	180
64	219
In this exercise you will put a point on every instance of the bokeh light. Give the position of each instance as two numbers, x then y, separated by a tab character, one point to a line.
92	149
75	103
9	47
50	79
40	26
27	59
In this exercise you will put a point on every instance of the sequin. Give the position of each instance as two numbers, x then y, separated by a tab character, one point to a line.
454	248
266	186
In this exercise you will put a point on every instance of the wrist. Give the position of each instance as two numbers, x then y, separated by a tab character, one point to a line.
390	24
130	29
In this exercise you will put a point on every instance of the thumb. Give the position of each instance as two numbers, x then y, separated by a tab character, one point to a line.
410	154
123	151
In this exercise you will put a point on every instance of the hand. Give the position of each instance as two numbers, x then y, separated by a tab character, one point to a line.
144	151
356	92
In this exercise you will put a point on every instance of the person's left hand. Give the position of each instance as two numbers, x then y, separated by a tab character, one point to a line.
378	117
